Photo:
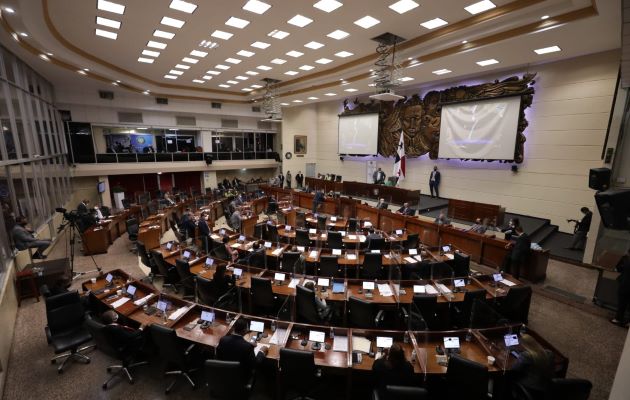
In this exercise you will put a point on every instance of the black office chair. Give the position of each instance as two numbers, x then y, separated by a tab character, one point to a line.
321	222
186	278
363	314
402	393
176	353
328	266
219	251
353	225
306	310
257	259
132	230
226	381
298	373
376	244
205	244
272	234
180	234
65	330
515	305
290	262
462	312
123	348
335	240
300	219
302	238
259	229
427	305
412	241
206	292
146	260
441	270
263	299
569	389
372	267
461	265
168	272
466	379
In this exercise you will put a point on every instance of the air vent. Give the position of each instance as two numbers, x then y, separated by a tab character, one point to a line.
264	125
216	105
255	108
229	123
129	117
106	95
184	120
161	100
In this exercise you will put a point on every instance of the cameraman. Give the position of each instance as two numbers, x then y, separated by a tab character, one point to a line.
23	238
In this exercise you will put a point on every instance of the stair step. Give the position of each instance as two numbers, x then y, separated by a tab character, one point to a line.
542	234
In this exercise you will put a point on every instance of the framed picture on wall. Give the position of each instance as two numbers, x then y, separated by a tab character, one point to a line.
299	144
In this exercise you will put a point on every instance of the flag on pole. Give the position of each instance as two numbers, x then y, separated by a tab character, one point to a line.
399	163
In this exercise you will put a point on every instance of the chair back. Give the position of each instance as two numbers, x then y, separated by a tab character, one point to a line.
372	267
225	379
406	393
461	264
300	219
161	265
181	238
470	297
353	226
466	379
64	312
321	222
290	260
262	292
302	238
132	228
335	240
569	389
515	305
186	278
441	270
170	347
259	228
257	259
306	309
297	367
272	234
426	304
206	292
100	337
376	244
145	258
361	313
412	241
328	266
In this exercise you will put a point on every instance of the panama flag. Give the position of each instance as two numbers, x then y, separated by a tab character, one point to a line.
399	163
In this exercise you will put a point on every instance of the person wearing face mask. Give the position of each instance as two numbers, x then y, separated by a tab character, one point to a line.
204	229
23	238
434	181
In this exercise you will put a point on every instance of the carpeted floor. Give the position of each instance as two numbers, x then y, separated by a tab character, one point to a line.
582	333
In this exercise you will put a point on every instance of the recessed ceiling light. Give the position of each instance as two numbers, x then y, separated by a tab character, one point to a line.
221	66
350	90
150	53
223	85
330	94
82	72
464	41
233	60
328	5
44	57
485	63
278	61
108	22
544	17
403	6
170	76
190	60
545	50
277	34
291	73
297	101
49	54
256	86
442	71
232	82
313	98
198	81
323	61
9	10
344	54
367	22
146	92
175	72
242	78
256	6
252	73
338	34
300	20
156	45
263	67
221	35
182	66
306	67
145	60
284	104
434	23
175	23
198	53
116	84
479	7
260	45
246	89
211	72
314	45
163	34
295	54
208	44
23	34
245	53
106	34
184	6
406	79
237	22
110	6
207	77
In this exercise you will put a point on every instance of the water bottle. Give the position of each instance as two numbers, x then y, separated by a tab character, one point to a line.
406	338
273	325
332	333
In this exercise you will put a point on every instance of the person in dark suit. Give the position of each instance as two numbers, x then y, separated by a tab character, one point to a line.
533	369
581	229
623	290
406	210
289	177
521	247
281	180
299	179
381	204
204	229
442	219
392	369
378	176
434	181
371	235
119	331
82	208
234	347
226	183
222	283
323	309
318	199
188	224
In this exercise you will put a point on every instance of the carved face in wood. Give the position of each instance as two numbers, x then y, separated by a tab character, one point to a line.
412	120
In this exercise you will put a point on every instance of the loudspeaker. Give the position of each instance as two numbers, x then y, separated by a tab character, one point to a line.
599	178
614	208
208	158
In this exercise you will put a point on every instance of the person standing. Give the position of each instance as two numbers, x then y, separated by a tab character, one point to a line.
581	229
521	248
378	177
434	181
318	199
23	238
289	179
281	180
623	290
82	208
299	179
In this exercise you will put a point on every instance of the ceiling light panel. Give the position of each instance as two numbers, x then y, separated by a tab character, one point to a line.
198	53
175	72
221	66
198	81
221	35
260	45
175	23
110	23
291	73
314	45
313	98
211	72
406	79
170	76
367	22
323	61
295	54
237	22
434	23
183	6
306	67
247	89
182	66
190	60
263	68
224	85
106	34
110	6
233	60
284	104
257	7
256	86
150	53
241	78
145	60
278	34
297	101
442	71
480	7
338	34
350	90
156	45
546	50
485	63
207	77
278	61
344	54
327	5
252	73
163	34
300	20
330	94
403	6
245	53
232	82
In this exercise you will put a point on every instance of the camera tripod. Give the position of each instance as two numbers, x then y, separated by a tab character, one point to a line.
71	240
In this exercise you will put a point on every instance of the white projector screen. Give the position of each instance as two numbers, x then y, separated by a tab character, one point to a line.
483	130
358	134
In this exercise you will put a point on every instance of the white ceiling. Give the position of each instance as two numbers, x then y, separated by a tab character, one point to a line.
75	44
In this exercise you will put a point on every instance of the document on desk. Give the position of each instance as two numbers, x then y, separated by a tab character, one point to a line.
278	336
430	289
418	257
362	238
449	256
313	254
352	237
178	313
120	302
143	301
217	237
361	344
235	245
294	282
351	256
443	288
259	347
384	289
276	252
410	260
507	282
340	343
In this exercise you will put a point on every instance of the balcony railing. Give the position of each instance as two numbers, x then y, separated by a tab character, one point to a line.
103	158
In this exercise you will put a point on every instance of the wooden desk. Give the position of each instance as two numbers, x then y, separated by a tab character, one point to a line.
470	211
150	235
248	224
96	239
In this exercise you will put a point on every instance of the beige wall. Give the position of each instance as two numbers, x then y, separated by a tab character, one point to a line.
567	127
8	311
245	174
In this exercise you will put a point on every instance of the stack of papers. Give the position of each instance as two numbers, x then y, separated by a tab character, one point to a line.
418	257
430	289
278	336
294	282
351	256
449	256
340	343
276	252
443	288
384	289
143	300
178	313
352	237
410	260
360	344
507	282
120	302
313	254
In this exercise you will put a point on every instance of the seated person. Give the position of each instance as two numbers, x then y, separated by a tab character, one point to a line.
234	347
110	319
232	253
479	226
323	310
406	210
23	238
169	200
256	258
98	214
371	235
382	204
392	369
442	219
511	227
534	368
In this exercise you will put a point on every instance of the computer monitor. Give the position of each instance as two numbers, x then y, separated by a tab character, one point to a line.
384	342
257	326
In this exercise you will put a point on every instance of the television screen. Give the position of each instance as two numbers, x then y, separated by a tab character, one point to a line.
101	187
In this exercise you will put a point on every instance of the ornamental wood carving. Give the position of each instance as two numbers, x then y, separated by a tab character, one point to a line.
419	117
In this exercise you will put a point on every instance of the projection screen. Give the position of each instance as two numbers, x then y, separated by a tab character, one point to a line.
358	134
